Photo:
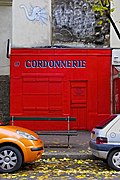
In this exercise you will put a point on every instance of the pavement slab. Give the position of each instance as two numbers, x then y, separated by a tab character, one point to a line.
57	146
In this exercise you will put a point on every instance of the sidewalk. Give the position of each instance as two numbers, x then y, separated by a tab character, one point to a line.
56	146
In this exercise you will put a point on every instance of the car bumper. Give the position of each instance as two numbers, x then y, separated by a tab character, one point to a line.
100	150
33	153
99	154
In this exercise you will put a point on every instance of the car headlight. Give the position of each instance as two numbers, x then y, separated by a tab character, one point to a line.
26	135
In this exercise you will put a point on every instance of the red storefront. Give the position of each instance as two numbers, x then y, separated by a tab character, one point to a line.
51	83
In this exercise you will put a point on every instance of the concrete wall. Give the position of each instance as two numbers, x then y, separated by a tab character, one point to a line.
5	34
114	41
31	23
75	23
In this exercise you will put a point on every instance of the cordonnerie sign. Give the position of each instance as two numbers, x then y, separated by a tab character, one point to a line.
55	64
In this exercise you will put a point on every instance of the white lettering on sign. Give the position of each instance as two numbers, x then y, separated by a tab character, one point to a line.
55	64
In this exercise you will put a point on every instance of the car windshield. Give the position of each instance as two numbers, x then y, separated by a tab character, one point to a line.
102	124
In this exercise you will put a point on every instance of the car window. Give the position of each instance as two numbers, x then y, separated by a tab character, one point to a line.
102	124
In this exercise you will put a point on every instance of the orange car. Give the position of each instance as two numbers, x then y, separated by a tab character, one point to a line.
17	146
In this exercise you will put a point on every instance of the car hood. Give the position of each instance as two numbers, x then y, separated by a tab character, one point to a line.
12	129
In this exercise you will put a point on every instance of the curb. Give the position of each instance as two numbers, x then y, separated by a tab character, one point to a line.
67	155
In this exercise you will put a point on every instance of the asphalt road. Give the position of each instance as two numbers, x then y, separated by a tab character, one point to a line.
65	168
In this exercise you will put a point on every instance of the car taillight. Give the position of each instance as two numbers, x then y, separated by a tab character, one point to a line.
93	134
101	140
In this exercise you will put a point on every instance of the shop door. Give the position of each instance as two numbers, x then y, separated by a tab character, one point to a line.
78	104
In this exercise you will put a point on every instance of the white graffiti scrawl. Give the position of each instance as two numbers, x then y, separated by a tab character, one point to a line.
76	17
35	14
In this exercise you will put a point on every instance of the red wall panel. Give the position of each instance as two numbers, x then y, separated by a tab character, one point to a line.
53	82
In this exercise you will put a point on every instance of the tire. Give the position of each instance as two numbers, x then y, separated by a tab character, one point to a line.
10	159
114	159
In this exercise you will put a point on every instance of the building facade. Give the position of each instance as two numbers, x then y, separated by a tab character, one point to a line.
34	24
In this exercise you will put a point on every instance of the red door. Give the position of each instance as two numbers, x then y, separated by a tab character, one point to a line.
78	104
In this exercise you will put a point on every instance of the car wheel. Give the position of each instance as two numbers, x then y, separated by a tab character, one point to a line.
10	159
114	159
